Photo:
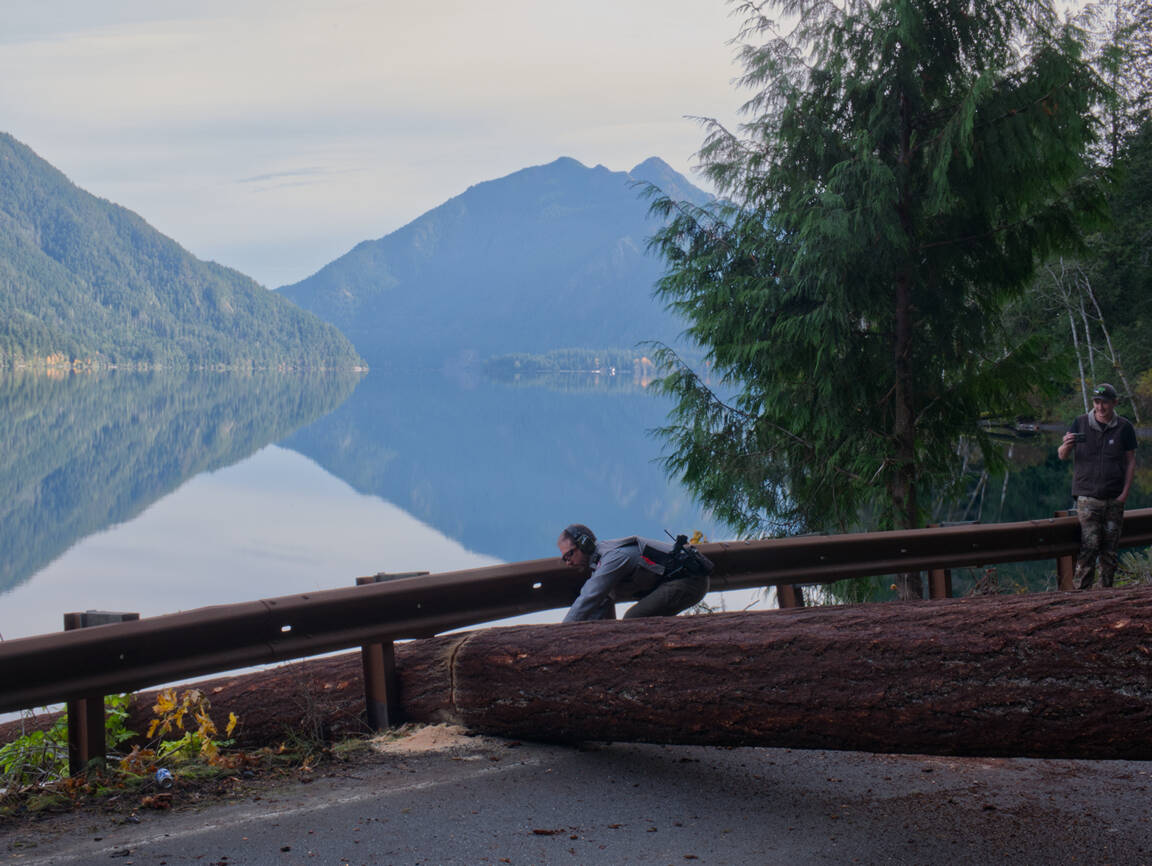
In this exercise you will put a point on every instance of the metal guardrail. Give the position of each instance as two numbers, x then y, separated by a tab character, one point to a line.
131	655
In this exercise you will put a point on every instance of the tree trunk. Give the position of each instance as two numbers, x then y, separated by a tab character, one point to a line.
902	484
1056	675
1047	675
1066	299
1112	355
1088	341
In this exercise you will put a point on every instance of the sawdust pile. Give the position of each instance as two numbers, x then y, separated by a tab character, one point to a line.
421	739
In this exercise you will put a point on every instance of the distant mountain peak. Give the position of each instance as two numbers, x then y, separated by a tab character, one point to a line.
661	175
652	165
488	272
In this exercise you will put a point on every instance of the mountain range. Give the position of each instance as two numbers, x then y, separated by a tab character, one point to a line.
82	279
552	256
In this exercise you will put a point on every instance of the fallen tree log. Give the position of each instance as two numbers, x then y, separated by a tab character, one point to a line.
306	703
1044	675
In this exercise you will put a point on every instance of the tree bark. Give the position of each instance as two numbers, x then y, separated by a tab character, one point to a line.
902	485
1056	675
1045	675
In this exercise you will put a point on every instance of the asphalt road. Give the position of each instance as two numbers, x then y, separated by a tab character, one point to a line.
489	801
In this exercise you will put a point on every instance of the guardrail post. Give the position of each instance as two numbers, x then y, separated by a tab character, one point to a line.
86	738
939	579
1065	565
940	583
379	662
789	595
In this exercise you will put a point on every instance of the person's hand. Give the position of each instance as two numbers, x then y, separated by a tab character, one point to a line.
1066	445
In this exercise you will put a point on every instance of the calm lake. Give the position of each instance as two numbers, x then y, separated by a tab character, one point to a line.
157	493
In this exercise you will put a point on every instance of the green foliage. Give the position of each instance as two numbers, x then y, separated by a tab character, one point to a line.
905	166
198	740
1119	266
116	709
35	757
1135	568
41	756
853	590
1094	309
1119	39
82	280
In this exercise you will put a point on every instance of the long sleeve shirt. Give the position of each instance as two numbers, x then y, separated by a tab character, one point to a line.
615	562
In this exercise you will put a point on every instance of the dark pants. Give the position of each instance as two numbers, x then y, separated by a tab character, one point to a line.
670	597
1100	524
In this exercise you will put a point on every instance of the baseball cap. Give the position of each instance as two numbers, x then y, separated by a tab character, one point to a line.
1104	391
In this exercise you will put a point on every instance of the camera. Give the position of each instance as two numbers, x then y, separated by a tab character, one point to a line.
1079	437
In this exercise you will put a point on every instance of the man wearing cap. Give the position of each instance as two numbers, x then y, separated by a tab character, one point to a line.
1103	448
630	567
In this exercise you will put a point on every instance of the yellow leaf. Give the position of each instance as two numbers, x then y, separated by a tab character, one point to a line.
232	720
165	702
206	725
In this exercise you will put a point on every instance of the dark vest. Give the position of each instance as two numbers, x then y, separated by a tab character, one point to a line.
1101	461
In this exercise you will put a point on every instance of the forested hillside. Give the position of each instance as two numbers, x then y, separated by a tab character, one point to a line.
84	280
553	256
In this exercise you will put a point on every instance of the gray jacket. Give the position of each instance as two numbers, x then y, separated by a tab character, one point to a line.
619	569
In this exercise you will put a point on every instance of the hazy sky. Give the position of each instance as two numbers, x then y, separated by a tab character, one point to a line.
273	135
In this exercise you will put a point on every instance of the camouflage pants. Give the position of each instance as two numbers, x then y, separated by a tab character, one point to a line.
1100	523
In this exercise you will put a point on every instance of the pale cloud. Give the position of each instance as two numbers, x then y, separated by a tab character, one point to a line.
357	116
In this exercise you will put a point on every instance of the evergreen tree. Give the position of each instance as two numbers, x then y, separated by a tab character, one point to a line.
1120	48
1096	305
905	166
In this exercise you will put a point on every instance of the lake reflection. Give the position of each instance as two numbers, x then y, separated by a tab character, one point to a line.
272	524
155	494
503	468
83	452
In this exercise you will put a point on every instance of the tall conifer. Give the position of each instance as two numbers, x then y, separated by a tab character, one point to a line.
904	165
